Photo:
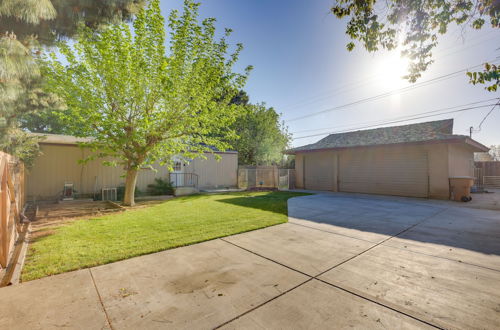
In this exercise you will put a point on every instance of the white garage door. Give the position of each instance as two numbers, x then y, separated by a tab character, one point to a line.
388	173
318	171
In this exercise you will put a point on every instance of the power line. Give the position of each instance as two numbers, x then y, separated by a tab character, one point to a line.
356	84
489	113
393	122
472	130
340	90
400	117
389	93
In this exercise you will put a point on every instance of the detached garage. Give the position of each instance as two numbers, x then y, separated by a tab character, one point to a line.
413	160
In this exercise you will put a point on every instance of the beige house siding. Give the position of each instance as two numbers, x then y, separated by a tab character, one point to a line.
59	164
214	173
461	160
299	170
439	186
421	170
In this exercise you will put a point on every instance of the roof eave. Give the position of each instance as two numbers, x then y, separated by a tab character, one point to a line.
480	147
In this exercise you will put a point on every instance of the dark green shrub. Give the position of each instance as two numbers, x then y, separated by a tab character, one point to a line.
160	187
120	192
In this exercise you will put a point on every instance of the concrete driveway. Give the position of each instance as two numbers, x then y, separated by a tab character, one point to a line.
342	261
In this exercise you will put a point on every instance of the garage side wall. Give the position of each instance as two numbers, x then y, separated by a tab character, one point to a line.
439	186
460	160
59	164
213	173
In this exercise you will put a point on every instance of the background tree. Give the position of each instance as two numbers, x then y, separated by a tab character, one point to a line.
141	104
18	73
46	120
415	25
495	152
241	98
25	27
53	20
261	136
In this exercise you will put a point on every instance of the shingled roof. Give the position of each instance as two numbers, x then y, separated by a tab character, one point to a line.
439	130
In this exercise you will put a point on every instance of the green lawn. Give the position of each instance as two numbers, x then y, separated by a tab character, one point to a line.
178	222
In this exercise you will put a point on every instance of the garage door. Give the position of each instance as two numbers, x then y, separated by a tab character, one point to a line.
388	173
319	170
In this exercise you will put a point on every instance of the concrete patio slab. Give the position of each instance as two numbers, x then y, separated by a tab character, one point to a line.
357	233
304	249
443	292
442	268
466	219
372	220
316	305
460	238
441	243
197	287
363	202
64	301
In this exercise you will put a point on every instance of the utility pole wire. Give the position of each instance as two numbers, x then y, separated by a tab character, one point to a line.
482	121
409	117
349	86
472	130
393	122
379	96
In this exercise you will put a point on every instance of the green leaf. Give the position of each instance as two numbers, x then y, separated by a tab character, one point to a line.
141	105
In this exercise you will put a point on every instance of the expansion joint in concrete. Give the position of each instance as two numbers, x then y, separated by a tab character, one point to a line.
100	300
315	277
264	303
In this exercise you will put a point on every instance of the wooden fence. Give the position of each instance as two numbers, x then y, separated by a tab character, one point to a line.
12	200
250	177
487	174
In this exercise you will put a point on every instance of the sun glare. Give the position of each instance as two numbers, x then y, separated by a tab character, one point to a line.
392	69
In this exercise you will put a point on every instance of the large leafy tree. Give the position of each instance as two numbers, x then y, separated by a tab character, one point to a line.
25	27
262	137
415	26
141	103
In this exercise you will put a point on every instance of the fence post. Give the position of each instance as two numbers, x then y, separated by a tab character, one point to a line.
12	199
274	177
4	212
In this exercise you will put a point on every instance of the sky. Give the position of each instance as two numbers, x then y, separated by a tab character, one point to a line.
301	67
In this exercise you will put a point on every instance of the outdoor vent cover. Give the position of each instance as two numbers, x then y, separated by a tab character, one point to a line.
109	194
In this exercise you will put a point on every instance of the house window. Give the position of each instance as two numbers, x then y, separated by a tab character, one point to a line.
177	166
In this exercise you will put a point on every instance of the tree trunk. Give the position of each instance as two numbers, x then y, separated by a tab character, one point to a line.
130	182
